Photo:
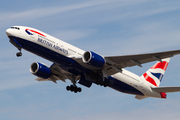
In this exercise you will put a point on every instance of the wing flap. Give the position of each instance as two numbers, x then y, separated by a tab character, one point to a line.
41	79
49	79
166	89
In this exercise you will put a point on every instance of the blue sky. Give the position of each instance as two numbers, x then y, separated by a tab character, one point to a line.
116	27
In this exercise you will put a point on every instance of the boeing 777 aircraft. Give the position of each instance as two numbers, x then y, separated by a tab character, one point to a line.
87	67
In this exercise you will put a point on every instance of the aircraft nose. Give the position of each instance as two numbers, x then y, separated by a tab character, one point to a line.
8	32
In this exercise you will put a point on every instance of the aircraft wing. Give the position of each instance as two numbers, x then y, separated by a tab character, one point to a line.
57	74
132	60
115	64
118	62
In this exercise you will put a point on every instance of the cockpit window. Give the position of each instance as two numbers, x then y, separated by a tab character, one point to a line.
15	28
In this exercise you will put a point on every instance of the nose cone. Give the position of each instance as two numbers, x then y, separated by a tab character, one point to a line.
8	32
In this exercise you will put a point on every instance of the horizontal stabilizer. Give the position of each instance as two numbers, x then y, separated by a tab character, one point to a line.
166	89
140	97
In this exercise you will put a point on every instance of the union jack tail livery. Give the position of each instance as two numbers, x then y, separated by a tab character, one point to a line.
155	74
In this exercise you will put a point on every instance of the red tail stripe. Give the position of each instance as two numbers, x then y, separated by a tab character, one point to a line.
163	65
149	79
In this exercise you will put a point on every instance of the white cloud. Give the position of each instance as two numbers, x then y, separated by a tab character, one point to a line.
112	10
16	82
71	35
124	109
44	12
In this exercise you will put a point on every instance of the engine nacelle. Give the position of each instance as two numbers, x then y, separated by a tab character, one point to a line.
93	59
40	70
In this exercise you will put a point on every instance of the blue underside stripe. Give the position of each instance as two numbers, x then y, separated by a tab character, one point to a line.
123	87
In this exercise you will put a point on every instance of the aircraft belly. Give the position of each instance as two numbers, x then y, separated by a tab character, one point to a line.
122	86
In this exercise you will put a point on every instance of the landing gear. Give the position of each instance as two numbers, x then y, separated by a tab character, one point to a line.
18	46
19	54
103	82
73	88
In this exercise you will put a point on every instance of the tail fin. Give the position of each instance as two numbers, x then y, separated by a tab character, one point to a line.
155	74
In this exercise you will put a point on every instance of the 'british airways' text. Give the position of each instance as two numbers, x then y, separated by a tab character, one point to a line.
52	45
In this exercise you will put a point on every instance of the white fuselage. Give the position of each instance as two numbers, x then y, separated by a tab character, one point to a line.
62	48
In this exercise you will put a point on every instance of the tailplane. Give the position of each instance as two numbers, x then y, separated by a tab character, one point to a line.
166	89
155	74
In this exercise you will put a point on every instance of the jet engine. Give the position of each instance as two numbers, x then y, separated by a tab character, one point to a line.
93	59
40	70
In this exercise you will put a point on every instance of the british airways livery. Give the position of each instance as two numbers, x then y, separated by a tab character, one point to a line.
88	67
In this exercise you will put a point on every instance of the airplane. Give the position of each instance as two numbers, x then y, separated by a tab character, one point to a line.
88	67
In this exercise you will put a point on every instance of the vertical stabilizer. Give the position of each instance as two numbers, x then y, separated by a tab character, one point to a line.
155	74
